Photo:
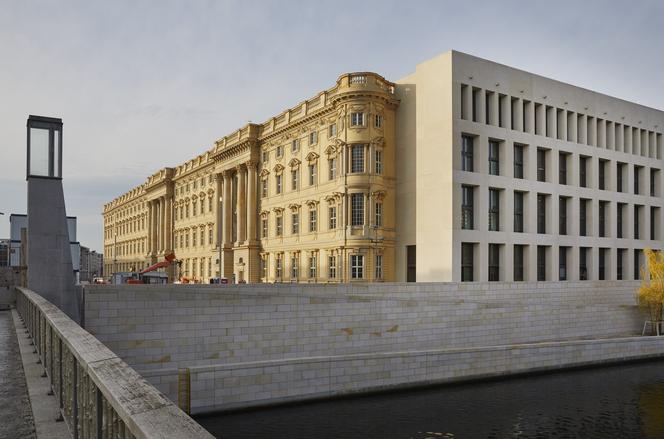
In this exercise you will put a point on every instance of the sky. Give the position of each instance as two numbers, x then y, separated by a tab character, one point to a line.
141	85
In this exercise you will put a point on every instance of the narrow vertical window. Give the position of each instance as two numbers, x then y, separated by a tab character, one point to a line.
518	211
602	264
332	267
357	158
518	263
583	162
583	263
562	168
278	183
518	161
494	210
378	161
378	214
313	220
583	207
562	263
619	220
332	130
541	165
332	217
467	153
312	174
541	263
601	184
467	258
378	268
494	157
357	266
264	227
332	167
294	179
313	267
295	223
467	204
541	213
357	209
378	121
494	262
562	215
602	218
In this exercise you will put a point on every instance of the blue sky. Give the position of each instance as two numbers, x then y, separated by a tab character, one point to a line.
145	84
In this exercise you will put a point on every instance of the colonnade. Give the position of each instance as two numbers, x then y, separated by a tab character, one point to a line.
160	220
236	220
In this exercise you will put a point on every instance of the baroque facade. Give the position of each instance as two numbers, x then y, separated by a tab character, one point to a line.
307	196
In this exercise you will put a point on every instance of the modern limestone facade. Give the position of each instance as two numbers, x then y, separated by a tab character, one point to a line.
463	170
506	175
308	196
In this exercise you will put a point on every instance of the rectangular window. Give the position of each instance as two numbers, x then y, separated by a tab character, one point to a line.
583	263
562	168
467	160
357	266
541	263
357	209
620	167
602	208
518	161
637	175
332	167
378	121
280	151
295	267
562	263
313	138
210	237
378	161
332	217
332	130
264	266
280	225
602	264
332	267
653	182
193	238
637	217
378	214
619	219
601	184
541	213
312	174
619	263
583	163
313	220
518	212
467	222
583	208
294	178
264	225
295	145
637	264
494	209
278	266
541	165
356	119
265	156
357	158
518	263
653	222
295	223
278	183
494	157
378	268
263	188
467	258
494	262
562	215
313	267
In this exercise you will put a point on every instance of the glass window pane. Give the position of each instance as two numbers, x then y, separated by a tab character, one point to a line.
56	154
39	151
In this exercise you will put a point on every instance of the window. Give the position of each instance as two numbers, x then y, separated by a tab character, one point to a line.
210	204
637	174
312	267
518	161
467	258
636	221
411	263
278	180
313	220
264	266
467	222
619	219
210	236
332	167
278	266
494	262
332	211
295	267
562	168
264	225
295	223
602	218
332	267
280	225
280	151
357	158
356	119
378	121
265	156
602	264
494	209
541	263
378	267
620	168
202	211
494	157
583	263
378	214
312	174
518	211
583	163
562	215
467	153
193	238
313	138
357	209
601	171
264	188
332	130
378	161
518	263
583	208
295	145
541	213
619	264
194	207
541	165
562	263
637	264
357	266
653	182
295	175
653	222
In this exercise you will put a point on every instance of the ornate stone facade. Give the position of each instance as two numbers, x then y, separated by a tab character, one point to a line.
308	196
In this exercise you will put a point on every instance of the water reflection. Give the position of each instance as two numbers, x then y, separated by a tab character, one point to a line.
624	401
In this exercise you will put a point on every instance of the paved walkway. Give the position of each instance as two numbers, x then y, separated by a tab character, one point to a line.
15	413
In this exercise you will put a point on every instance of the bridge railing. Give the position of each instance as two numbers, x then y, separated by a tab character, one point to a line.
99	395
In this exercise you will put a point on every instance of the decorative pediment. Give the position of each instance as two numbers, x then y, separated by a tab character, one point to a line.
265	172
311	203
264	213
278	209
294	207
312	157
378	141
210	192
333	198
294	163
379	195
332	150
278	168
202	194
194	197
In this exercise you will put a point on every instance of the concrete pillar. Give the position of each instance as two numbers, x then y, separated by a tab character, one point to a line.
241	206
518	114
252	210
571	126
493	108
582	129
227	209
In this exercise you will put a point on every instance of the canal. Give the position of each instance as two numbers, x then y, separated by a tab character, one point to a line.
623	401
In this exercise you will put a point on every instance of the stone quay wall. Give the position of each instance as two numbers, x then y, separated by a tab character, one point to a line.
260	344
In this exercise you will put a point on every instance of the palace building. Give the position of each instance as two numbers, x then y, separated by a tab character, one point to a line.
465	170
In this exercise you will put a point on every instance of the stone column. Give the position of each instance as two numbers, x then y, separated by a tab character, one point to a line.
153	232
168	227
219	180
252	211
241	208
227	210
149	239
